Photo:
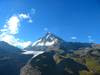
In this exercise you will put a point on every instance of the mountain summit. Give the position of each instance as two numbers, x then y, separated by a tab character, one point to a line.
49	40
52	42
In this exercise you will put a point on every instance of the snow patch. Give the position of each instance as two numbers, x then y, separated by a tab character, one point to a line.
36	42
35	53
49	43
47	36
28	52
41	44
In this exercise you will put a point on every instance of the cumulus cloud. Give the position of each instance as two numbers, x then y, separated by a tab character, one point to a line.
14	41
12	25
11	28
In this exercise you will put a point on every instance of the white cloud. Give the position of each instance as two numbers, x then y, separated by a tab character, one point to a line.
14	41
13	25
22	44
25	16
30	21
73	37
11	28
7	38
46	29
90	39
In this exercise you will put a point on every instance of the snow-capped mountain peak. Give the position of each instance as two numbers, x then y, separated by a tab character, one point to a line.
52	42
48	40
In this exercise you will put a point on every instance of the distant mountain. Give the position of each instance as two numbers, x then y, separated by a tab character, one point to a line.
51	57
8	48
93	51
49	41
11	59
52	42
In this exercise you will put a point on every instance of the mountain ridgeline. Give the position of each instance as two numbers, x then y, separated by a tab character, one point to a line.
53	42
62	58
11	59
51	56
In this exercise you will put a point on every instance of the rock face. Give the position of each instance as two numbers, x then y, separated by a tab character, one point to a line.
42	64
29	70
45	64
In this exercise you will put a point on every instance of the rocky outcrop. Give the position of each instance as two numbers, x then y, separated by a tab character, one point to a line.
29	70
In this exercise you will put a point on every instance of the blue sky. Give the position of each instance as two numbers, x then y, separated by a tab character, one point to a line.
69	19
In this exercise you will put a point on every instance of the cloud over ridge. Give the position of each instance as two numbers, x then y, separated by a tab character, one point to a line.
11	28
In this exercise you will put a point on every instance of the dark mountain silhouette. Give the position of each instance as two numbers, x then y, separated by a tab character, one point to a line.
11	59
5	47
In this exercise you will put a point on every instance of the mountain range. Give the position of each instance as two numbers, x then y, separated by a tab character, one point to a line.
62	58
50	55
52	42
